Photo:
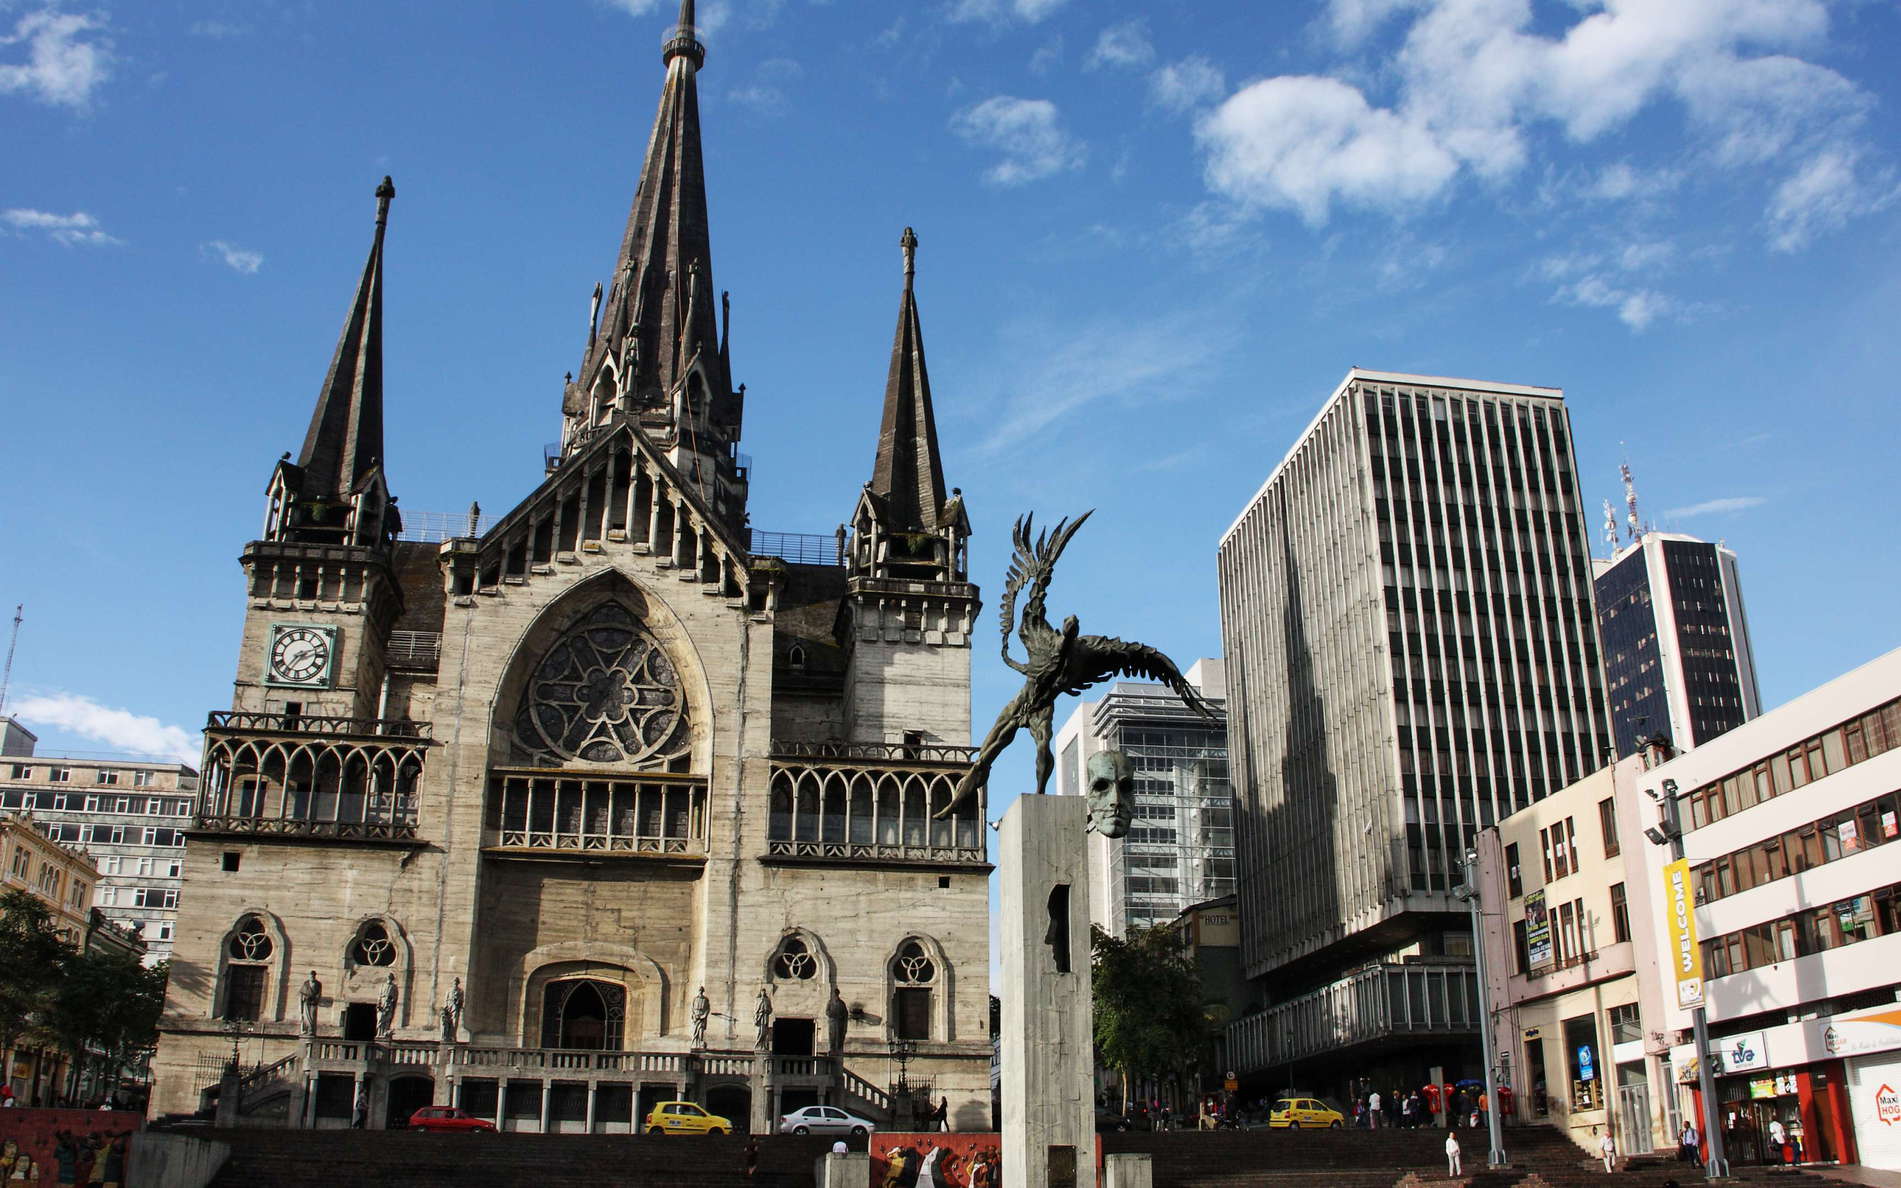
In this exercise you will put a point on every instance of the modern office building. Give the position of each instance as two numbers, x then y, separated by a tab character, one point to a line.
1572	963
1411	656
1786	823
130	815
1677	658
1180	847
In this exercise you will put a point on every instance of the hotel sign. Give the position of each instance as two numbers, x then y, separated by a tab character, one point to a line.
1686	956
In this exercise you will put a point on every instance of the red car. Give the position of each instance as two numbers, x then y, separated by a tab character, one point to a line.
448	1118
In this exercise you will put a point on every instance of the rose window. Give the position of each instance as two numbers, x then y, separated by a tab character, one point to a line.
604	693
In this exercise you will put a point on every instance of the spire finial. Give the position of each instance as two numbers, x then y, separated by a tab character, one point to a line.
684	43
909	243
384	193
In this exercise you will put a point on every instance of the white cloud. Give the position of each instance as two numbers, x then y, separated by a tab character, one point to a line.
1189	83
1124	45
1822	196
1710	507
1474	80
1029	134
67	57
997	11
121	730
1300	142
235	258
76	229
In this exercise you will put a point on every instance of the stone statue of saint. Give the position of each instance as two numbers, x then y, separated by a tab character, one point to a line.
386	1008
836	1013
454	1007
762	1021
1111	793
701	1009
308	996
1056	660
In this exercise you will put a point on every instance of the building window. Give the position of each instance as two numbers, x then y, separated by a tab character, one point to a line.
247	967
373	945
1607	821
913	974
1620	912
794	961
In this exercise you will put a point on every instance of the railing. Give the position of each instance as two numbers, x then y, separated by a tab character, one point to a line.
294	827
317	724
800	548
886	752
420	650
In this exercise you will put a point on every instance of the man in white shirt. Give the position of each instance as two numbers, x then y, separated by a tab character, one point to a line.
1452	1154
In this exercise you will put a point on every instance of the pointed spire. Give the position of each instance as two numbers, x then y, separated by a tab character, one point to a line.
665	241
908	478
345	441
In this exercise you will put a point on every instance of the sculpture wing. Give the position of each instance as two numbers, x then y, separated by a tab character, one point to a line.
1099	657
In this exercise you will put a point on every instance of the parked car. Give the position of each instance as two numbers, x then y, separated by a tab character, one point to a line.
684	1117
1304	1113
448	1118
821	1119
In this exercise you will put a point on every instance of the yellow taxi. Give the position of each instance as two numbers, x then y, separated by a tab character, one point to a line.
1304	1113
683	1117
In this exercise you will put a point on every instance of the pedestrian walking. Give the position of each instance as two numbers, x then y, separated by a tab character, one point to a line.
1607	1149
1452	1154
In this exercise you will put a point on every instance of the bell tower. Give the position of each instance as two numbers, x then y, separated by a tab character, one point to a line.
320	583
910	604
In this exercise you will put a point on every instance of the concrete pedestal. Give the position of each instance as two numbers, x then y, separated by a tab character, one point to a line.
1049	1120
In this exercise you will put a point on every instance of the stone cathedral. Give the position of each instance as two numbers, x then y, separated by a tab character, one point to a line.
609	803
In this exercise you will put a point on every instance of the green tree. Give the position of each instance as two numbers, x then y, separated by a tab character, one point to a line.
32	959
1149	1019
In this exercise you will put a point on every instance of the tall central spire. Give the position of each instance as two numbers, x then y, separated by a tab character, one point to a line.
660	311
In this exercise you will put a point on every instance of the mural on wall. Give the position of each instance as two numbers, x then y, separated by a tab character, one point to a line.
37	1147
937	1160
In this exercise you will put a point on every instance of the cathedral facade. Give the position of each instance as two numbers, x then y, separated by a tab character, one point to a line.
602	806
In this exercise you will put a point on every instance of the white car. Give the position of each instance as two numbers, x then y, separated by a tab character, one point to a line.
824	1120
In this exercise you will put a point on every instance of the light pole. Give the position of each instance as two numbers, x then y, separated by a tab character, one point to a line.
1670	833
1469	891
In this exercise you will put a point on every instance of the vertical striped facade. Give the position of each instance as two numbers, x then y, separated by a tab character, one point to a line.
1407	615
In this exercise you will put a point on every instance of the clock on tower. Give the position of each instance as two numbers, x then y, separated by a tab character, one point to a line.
301	656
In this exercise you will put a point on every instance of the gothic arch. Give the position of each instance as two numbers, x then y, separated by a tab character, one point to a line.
646	984
942	985
275	964
666	659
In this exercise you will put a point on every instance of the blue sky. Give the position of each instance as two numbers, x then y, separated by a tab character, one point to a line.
1154	237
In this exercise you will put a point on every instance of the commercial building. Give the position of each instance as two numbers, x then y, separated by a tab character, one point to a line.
1571	960
1677	655
1411	656
1180	847
616	787
129	815
61	877
1786	823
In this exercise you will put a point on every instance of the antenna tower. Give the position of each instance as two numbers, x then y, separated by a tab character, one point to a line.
6	675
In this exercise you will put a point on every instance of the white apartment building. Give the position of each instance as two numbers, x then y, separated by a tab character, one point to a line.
130	815
1786	823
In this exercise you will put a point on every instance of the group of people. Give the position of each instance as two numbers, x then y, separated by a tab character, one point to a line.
1466	1106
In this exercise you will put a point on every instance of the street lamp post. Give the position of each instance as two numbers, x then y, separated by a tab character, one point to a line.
1715	1163
1470	893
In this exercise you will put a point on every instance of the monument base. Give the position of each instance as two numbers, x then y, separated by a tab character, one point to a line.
1048	1059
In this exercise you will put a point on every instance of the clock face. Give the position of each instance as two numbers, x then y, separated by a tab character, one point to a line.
301	655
